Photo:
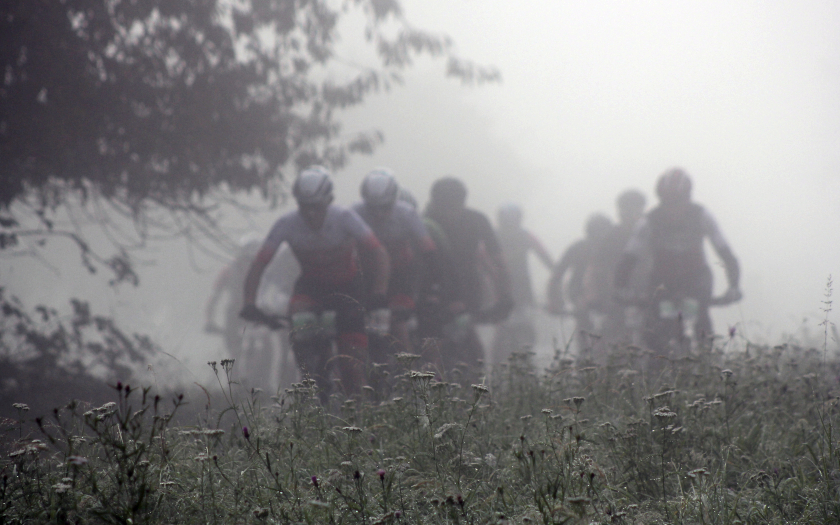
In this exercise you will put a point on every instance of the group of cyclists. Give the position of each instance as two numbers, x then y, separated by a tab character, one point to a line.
384	278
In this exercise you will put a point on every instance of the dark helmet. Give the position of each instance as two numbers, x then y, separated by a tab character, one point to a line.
313	186
379	188
509	215
597	226
631	200
448	192
674	186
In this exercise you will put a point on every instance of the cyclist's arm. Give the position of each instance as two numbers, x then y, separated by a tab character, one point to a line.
367	241
252	282
554	289
496	259
730	263
539	250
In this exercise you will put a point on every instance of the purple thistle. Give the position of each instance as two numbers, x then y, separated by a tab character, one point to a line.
246	433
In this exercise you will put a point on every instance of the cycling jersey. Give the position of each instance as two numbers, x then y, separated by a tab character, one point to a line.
326	255
402	232
675	240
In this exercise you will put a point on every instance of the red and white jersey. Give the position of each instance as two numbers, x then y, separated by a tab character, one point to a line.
328	254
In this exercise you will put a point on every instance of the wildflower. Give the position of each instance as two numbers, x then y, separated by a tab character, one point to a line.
61	488
315	481
202	457
526	417
77	461
368	388
726	373
546	411
578	401
406	359
246	433
213	432
698	472
381	473
351	430
442	430
664	413
480	389
397	514
23	407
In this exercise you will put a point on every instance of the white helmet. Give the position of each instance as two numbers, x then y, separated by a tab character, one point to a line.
380	189
313	186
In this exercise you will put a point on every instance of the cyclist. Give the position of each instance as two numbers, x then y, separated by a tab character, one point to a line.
623	322
324	238
588	281
472	246
517	242
401	231
673	233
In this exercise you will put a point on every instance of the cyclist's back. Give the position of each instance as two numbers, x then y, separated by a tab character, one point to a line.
673	234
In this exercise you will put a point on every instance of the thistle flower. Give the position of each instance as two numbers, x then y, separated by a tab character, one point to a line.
578	401
23	407
726	373
315	481
246	433
381	473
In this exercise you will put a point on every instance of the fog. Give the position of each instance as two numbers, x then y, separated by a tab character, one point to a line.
601	96
596	97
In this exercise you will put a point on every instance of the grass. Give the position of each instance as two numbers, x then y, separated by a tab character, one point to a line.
744	436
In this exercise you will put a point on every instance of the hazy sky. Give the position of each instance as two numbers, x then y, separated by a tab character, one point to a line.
596	97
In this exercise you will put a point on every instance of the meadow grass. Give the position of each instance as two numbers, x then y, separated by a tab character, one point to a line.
747	435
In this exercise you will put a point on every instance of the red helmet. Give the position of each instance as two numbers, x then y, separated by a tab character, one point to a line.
674	186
